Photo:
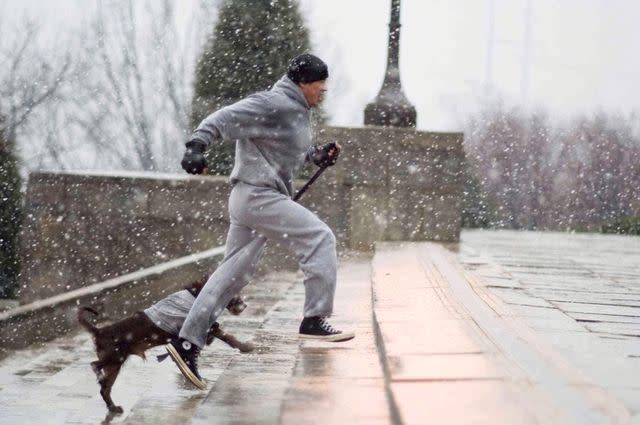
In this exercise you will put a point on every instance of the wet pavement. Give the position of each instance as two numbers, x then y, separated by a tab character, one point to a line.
446	352
580	295
55	385
286	380
504	328
293	381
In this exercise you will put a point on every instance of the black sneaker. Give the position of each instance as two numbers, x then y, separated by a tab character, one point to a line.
318	328
185	356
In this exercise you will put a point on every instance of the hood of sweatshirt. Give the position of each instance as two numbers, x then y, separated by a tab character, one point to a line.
291	90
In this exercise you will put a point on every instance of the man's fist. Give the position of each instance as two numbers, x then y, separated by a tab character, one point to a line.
193	161
325	155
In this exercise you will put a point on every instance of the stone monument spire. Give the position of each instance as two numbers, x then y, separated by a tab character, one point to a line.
391	107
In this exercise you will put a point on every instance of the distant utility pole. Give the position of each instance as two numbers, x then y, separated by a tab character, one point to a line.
488	72
526	50
526	55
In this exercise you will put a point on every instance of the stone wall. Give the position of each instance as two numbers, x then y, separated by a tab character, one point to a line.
398	184
43	320
83	228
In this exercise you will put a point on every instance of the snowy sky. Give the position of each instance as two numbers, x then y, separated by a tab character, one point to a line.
582	54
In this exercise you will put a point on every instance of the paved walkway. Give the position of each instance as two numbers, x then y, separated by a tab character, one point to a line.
580	295
445	349
504	328
287	380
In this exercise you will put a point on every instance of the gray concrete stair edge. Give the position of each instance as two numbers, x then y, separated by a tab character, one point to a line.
526	357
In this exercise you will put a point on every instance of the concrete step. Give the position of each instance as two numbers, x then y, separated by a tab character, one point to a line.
442	367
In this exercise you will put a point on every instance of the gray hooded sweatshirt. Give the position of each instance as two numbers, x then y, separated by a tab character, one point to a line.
272	132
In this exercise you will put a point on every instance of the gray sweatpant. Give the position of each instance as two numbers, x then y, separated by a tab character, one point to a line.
258	214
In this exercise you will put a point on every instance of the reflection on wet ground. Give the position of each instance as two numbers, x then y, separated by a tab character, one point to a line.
580	293
284	381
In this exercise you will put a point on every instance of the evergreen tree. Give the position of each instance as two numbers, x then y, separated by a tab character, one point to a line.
250	48
477	208
10	216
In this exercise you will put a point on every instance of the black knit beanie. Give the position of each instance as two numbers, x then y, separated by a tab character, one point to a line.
307	68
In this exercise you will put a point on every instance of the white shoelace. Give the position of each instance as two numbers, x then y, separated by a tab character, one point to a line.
327	327
188	346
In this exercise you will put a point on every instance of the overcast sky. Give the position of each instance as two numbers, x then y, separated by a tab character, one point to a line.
580	55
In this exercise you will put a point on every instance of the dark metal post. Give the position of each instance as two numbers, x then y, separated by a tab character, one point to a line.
391	107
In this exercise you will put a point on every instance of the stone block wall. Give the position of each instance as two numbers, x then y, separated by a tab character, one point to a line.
82	228
398	184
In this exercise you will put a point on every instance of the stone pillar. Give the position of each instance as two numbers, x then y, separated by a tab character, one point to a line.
399	184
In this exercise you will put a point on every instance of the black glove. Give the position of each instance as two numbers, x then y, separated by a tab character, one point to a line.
325	155
193	161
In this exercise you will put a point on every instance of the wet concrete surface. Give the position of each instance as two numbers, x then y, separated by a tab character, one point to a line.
286	380
55	385
304	382
446	364
580	293
510	328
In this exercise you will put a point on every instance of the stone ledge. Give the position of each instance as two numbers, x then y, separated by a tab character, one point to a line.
440	367
52	317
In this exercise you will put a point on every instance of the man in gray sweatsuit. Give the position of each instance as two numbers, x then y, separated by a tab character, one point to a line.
272	135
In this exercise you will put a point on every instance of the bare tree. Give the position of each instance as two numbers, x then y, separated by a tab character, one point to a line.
30	78
133	106
541	175
600	181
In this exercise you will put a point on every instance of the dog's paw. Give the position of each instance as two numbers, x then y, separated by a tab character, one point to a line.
247	347
99	373
116	409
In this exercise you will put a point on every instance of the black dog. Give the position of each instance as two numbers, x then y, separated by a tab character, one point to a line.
136	334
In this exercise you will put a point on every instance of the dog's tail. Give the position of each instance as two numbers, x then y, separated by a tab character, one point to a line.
84	322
